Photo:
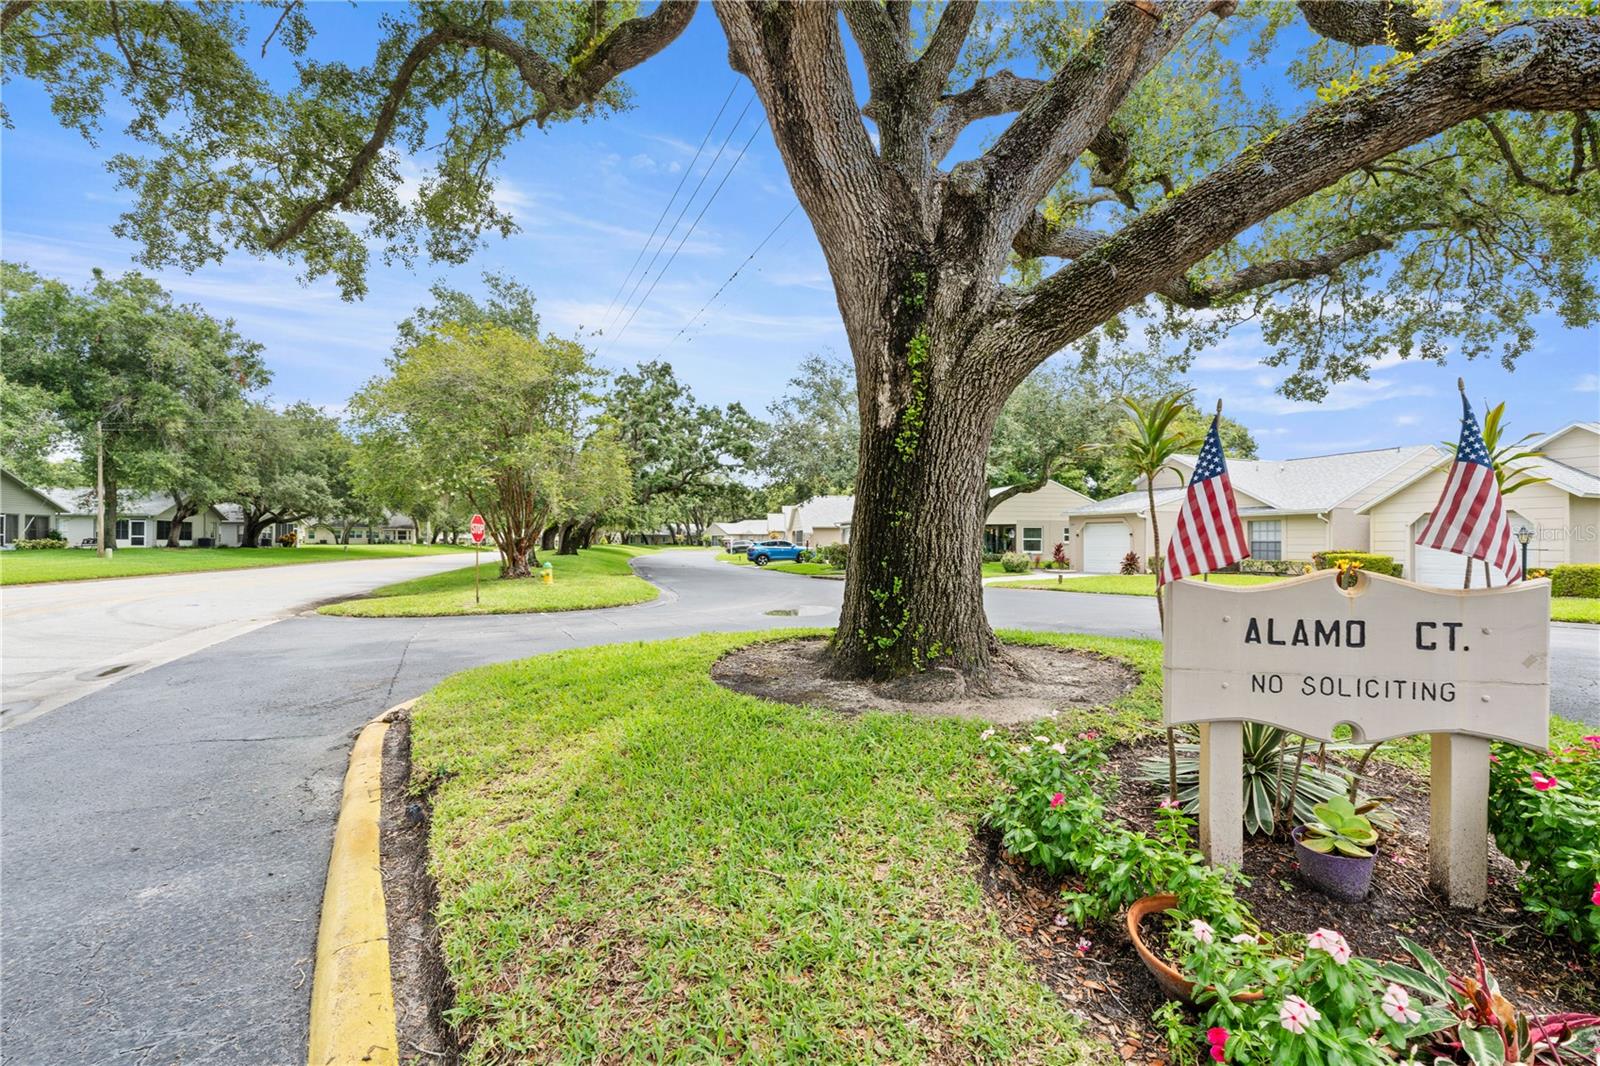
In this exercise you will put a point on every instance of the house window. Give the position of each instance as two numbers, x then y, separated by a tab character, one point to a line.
164	530
4	529
998	540
1032	539
122	529
1066	534
1266	540
37	527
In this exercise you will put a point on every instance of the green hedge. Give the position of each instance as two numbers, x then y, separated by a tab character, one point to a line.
1015	563
1273	567
1575	579
41	544
1371	563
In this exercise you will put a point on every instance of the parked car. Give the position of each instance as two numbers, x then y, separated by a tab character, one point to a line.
739	546
768	551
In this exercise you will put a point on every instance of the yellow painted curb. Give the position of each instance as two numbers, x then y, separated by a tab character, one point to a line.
352	1001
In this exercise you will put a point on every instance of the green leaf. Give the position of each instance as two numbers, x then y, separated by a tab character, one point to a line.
1483	1045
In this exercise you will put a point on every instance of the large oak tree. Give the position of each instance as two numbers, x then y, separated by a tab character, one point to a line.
1439	192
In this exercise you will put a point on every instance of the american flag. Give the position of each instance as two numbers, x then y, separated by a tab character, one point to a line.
1209	534
1470	518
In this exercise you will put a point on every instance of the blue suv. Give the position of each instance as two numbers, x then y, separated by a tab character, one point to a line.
766	551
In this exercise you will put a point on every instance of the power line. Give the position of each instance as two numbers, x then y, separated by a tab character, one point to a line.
741	266
606	317
690	230
687	204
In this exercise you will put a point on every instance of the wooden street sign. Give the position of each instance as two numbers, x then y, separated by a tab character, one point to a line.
1387	658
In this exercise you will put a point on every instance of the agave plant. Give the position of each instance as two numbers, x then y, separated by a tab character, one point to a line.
1467	1020
1341	826
1274	771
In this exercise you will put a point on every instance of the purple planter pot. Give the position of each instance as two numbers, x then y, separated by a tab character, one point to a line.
1339	876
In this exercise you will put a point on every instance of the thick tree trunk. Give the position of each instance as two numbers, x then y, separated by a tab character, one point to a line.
253	525
110	508
547	539
519	556
180	514
915	602
569	541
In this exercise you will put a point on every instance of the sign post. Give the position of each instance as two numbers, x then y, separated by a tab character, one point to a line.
477	528
1386	658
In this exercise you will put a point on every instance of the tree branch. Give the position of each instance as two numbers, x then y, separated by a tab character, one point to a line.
1522	176
882	47
1536	65
11	10
1198	294
626	46
1367	22
932	68
999	94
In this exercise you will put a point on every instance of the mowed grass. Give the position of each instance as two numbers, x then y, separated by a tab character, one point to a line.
82	564
1575	609
1130	584
595	577
736	558
635	864
808	569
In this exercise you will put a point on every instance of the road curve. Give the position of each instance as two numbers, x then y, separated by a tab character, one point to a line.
166	837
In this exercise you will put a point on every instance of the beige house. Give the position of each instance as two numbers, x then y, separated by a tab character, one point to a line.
1291	508
1562	515
1033	522
820	521
142	521
726	533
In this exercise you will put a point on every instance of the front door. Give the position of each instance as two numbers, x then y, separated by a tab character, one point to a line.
136	533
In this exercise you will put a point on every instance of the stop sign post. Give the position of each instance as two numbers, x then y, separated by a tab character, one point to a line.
477	528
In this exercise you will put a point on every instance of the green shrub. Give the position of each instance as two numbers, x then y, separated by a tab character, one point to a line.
42	543
1371	563
1015	563
1274	567
1544	810
992	557
835	555
1575	579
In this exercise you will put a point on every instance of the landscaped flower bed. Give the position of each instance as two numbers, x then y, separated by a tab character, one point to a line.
1067	851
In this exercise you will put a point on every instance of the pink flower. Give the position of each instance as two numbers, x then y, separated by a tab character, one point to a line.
1593	742
1397	1005
1058	799
1331	942
1295	1014
1494	758
1218	1039
1543	782
1059	748
1217	1053
1062	921
1202	931
1595	899
1168	803
1088	734
1084	944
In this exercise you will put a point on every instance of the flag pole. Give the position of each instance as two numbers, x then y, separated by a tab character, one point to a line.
1466	580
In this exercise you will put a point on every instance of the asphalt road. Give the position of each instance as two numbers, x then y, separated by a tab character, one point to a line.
166	838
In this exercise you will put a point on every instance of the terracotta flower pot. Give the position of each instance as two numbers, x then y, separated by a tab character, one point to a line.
1172	983
1343	877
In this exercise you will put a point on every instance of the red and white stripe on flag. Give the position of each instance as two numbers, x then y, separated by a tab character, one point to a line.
1209	534
1471	520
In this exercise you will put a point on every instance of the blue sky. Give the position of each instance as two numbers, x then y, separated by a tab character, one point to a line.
587	194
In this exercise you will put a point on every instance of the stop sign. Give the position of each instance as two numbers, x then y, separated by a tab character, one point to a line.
477	527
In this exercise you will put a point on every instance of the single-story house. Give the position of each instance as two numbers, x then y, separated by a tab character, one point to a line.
1291	508
777	525
1561	514
726	533
820	521
27	513
395	528
142	521
1033	522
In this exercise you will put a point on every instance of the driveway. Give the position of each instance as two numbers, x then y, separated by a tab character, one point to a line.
166	837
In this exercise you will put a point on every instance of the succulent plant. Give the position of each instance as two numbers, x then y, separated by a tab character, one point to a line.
1340	827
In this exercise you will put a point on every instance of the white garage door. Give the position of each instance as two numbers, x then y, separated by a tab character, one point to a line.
1430	566
1104	545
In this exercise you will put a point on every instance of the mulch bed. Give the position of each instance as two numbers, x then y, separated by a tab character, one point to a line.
1105	982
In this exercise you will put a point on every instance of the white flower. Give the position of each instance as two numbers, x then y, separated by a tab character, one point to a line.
1331	942
1041	740
1023	749
1202	932
1397	1005
1059	748
1295	1014
986	734
1243	938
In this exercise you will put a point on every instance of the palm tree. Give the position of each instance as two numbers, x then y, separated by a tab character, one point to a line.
1507	476
1149	442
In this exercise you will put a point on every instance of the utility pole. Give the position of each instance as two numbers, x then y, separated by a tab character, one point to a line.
100	490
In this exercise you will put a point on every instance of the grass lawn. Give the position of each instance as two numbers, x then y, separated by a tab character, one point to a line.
78	564
636	864
1131	584
736	558
595	577
809	569
1575	608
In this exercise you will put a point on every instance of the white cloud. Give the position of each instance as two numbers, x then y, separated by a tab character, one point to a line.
1345	396
1587	383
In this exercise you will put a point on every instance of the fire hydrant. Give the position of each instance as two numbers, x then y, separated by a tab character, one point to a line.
549	574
